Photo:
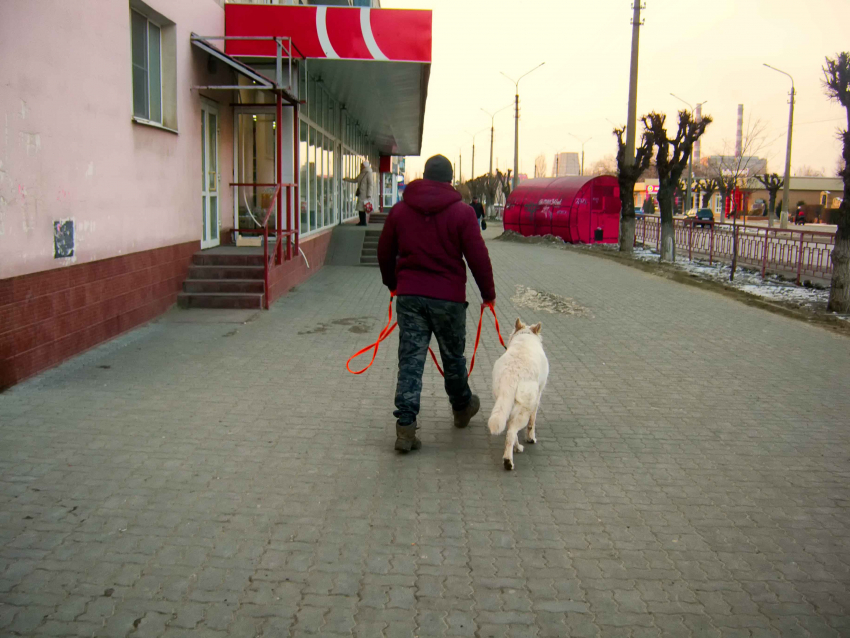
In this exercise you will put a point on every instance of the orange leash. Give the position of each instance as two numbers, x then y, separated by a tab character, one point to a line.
388	330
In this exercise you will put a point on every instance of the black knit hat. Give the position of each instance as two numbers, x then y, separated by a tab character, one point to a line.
438	169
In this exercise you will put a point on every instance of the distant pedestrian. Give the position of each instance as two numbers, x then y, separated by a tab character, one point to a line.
426	238
800	215
364	191
479	212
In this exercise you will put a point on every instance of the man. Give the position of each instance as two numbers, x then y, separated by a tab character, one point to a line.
421	253
478	208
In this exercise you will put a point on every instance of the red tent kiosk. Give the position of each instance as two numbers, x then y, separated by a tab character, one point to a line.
578	209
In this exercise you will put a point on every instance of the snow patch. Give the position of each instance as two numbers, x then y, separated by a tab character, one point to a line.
548	302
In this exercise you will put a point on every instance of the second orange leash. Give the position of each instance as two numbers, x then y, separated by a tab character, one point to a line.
387	330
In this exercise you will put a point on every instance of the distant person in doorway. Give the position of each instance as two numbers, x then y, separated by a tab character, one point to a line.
479	210
364	191
426	238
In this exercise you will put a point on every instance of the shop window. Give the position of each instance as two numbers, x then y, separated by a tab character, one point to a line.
315	163
154	77
304	184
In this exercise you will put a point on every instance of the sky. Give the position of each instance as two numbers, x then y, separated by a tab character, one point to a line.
698	50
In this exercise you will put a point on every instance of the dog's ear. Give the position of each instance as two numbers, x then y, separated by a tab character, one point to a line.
536	327
519	324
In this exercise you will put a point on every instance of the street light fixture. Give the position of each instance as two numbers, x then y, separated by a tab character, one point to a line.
516	121
492	118
785	191
583	142
472	135
688	201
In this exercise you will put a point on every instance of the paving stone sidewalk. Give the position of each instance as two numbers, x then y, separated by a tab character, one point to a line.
209	476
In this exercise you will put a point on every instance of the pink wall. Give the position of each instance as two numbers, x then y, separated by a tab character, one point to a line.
69	148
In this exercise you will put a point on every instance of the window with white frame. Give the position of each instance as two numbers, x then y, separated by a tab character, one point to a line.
147	68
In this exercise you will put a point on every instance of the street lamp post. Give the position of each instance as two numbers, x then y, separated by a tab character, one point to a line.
691	156
785	190
583	142
516	122
492	118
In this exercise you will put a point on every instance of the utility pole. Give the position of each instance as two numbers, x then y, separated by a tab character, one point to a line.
472	135
786	204
631	123
786	196
583	142
492	118
515	180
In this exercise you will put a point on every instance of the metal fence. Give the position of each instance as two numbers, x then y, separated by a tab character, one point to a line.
800	253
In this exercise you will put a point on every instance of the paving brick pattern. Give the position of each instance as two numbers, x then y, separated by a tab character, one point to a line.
228	479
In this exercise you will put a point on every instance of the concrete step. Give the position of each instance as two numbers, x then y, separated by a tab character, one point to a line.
370	252
219	300
223	285
226	272
218	259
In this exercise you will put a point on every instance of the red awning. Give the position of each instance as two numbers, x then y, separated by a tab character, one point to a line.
376	62
339	33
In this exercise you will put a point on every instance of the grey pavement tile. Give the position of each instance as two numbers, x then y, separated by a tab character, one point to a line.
690	477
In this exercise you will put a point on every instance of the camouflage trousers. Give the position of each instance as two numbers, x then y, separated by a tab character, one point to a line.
418	318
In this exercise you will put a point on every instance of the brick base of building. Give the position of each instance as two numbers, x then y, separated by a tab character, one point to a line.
50	316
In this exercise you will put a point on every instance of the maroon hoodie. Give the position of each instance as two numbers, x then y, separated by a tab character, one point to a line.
425	240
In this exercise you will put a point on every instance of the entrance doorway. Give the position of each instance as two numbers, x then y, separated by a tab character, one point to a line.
211	177
255	170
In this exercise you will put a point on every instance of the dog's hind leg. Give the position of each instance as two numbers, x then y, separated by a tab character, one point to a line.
531	431
519	418
510	440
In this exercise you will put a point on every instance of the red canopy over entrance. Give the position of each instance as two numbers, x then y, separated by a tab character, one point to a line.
577	209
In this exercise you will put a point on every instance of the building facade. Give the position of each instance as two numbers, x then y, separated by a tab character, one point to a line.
566	164
135	142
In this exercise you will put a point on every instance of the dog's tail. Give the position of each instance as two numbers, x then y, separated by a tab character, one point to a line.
520	398
501	411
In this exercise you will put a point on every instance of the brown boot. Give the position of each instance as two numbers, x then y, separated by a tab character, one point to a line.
406	438
463	417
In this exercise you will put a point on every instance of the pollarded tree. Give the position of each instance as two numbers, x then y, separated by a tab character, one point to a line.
709	187
627	176
836	74
772	184
671	160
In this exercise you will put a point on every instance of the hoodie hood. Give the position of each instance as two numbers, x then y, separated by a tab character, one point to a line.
429	197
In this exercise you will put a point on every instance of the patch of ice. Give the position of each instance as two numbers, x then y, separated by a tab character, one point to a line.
548	302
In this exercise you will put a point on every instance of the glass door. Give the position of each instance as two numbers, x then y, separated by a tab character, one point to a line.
254	170
210	176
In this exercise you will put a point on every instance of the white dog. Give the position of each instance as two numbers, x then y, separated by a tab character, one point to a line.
519	377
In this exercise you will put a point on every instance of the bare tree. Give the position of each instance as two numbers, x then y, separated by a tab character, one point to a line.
772	184
733	171
836	74
809	171
671	159
709	187
627	176
839	166
605	166
540	166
